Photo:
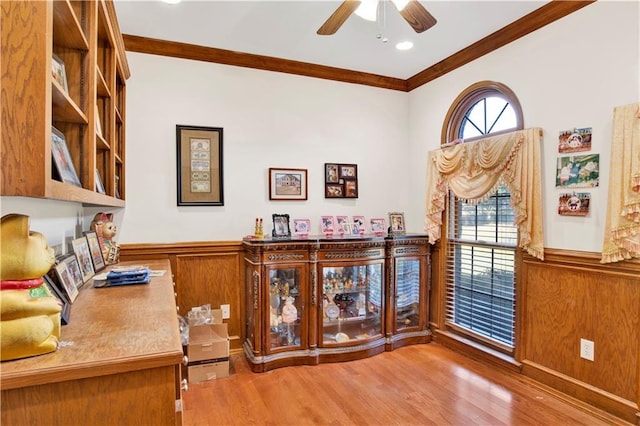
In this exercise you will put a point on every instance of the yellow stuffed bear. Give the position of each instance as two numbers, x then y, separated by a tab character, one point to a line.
28	325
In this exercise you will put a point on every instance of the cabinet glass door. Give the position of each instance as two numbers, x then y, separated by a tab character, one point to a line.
286	306
351	303
407	293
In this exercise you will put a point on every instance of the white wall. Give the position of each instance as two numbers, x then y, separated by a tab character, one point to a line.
269	120
569	74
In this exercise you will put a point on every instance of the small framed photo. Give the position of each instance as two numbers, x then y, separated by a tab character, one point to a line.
333	191
351	188
281	227
62	158
287	184
99	184
95	250
199	166
347	229
359	226
55	292
327	224
59	73
396	223
69	276
377	225
331	173
574	204
81	249
348	171
340	221
301	227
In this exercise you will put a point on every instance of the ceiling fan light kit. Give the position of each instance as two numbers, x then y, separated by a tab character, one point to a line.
411	10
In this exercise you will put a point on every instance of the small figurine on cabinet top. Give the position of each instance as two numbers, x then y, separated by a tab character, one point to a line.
29	323
106	230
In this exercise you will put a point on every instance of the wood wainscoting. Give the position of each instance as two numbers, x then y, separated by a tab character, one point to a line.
204	273
571	296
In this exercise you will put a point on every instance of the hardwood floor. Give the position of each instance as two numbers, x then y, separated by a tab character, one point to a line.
415	385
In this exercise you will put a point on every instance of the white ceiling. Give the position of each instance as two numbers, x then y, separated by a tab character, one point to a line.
287	30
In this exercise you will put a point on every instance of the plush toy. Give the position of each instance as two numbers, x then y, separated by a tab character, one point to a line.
106	230
29	325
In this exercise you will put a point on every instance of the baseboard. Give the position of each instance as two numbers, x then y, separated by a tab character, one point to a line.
587	397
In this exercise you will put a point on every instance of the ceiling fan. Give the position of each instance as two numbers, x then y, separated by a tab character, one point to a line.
413	12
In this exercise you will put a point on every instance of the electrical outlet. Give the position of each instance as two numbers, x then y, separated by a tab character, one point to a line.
587	349
226	311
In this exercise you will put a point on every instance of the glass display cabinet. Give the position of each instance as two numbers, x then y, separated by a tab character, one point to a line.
351	303
317	299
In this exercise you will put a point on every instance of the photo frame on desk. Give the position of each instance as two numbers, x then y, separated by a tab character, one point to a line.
396	223
85	259
62	159
199	166
95	250
281	228
65	313
68	276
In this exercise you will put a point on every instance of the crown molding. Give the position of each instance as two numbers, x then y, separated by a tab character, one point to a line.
535	20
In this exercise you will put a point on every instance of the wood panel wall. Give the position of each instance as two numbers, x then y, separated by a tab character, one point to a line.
571	296
567	297
204	273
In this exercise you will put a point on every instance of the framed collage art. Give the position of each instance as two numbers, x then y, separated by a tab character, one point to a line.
340	180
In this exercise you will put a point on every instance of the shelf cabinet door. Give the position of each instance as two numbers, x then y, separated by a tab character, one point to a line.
286	307
408	294
352	303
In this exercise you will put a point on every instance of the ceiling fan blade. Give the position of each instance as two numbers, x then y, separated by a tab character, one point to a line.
417	16
338	17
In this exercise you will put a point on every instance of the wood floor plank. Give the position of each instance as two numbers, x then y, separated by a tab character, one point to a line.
414	385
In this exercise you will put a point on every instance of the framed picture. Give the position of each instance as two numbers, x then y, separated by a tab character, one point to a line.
331	173
287	184
301	227
55	292
59	73
62	158
340	180
396	223
346	228
377	225
281	227
333	191
199	166
348	171
327	224
578	171
69	276
99	184
574	204
95	250
351	188
575	140
359	225
85	260
340	221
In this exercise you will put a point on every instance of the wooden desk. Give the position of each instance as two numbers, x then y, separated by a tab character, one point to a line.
119	362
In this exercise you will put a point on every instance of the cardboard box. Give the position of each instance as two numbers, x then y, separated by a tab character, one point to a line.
208	342
208	371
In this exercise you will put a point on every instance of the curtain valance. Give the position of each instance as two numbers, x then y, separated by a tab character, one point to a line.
622	229
473	170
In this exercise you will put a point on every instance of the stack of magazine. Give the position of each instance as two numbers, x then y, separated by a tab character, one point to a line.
126	275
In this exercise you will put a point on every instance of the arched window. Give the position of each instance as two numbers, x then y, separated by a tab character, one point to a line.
482	239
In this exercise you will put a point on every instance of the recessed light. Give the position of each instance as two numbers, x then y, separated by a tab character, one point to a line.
172	1
404	45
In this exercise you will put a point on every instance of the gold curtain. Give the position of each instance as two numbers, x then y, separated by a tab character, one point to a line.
473	171
622	229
